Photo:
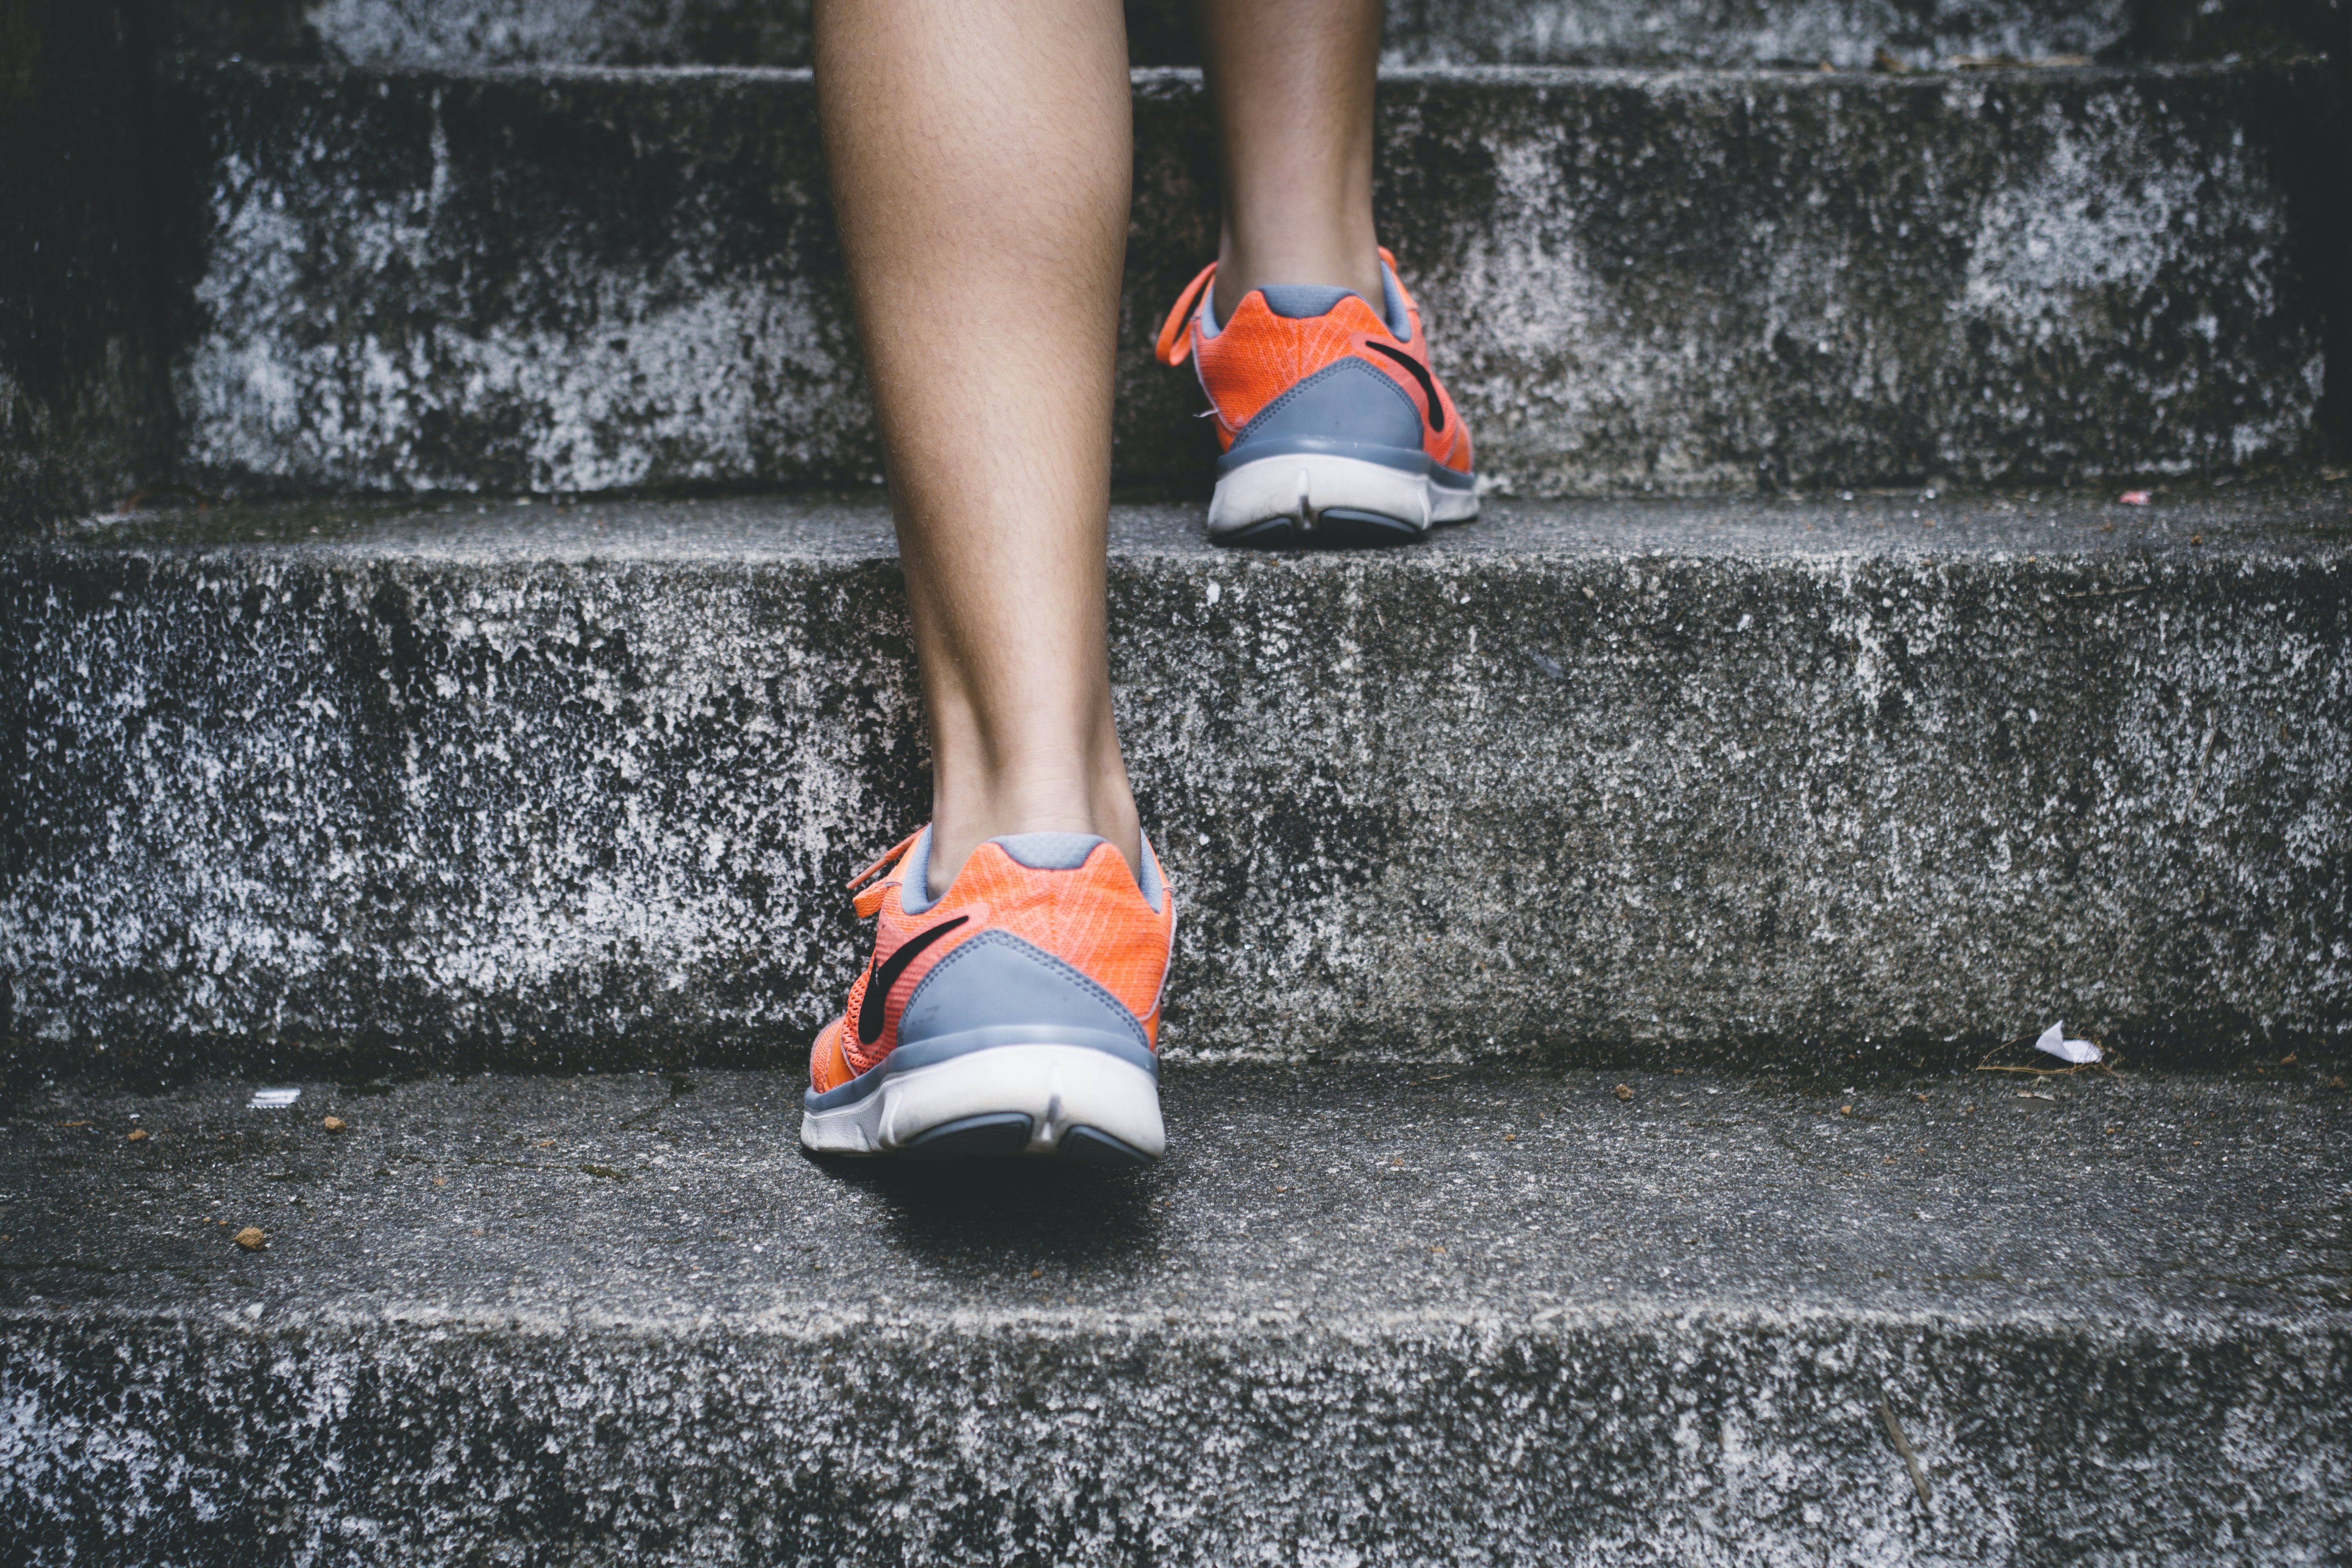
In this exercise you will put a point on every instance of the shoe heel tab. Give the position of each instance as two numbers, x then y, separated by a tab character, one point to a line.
1049	851
1175	344
1072	851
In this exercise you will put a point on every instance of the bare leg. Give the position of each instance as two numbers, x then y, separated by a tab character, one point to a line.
1292	81
981	154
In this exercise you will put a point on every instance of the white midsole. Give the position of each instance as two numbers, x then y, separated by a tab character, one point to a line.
1306	485
1057	1086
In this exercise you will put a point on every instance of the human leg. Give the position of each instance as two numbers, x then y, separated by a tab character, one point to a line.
1292	85
980	155
980	161
1333	425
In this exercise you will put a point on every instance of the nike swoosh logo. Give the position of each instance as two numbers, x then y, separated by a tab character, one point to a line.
877	988
1428	387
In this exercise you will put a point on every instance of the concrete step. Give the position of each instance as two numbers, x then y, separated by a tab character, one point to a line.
1900	778
558	281
465	34
1373	1317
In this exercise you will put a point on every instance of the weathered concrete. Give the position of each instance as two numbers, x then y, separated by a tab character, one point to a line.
1763	781
468	33
590	280
85	392
1371	1318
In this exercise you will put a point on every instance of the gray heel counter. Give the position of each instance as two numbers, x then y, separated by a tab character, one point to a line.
1348	400
998	981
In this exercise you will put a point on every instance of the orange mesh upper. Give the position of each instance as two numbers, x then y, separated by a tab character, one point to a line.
1258	356
1093	918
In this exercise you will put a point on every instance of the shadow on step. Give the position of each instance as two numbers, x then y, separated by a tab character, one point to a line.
990	1209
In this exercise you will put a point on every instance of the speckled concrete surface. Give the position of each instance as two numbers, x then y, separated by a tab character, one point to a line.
1847	32
1603	781
590	279
1368	1317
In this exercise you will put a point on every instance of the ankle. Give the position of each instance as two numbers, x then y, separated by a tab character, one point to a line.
1333	265
961	824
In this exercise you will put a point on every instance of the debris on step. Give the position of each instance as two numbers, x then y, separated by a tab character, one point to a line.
2054	1042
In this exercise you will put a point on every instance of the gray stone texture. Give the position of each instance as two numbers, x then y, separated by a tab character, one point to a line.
587	281
1748	781
85	403
464	34
1374	1317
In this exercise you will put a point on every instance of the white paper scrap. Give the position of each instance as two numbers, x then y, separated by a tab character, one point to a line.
272	1098
2054	1041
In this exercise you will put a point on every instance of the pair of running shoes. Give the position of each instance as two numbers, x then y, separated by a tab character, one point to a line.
1018	1012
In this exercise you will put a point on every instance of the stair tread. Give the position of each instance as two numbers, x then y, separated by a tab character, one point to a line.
1501	73
525	1320
2296	517
1362	1200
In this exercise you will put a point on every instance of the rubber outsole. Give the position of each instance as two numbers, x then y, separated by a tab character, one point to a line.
998	1136
1320	499
1042	1099
1006	1136
1339	528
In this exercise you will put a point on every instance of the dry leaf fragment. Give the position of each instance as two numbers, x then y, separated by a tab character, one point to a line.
1885	59
2287	1061
332	1124
1623	1092
251	1238
136	1135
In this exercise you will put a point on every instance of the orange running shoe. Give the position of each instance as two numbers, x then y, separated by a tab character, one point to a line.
1333	429
1018	1013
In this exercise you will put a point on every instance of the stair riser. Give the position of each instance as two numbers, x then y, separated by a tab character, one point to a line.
342	806
587	282
1073	1440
